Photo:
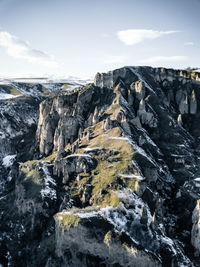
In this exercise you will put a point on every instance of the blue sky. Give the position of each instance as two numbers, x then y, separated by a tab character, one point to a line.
82	37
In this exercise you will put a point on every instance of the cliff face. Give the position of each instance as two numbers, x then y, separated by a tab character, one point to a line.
115	179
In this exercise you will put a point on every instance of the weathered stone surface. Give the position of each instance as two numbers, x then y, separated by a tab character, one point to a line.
193	103
140	90
145	116
118	170
183	105
105	250
195	233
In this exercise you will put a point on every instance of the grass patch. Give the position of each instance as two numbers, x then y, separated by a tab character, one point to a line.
32	178
114	157
68	220
50	158
110	199
11	90
14	91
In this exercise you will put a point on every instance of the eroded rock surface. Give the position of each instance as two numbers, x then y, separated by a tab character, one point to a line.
114	180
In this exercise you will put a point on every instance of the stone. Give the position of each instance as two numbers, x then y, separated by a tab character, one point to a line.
193	103
179	120
195	233
140	90
183	106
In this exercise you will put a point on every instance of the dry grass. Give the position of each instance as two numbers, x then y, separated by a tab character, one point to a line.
67	220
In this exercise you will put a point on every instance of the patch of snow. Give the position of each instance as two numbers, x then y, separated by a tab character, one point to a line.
49	183
120	216
8	160
7	96
115	137
85	214
179	156
92	148
30	121
79	155
130	176
73	87
52	86
140	150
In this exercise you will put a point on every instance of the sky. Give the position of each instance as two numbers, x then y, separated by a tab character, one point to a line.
82	37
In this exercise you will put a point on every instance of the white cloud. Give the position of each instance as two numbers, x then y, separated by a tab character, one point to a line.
17	48
188	43
135	36
114	59
163	59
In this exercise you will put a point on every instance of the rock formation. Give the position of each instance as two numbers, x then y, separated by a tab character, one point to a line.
109	178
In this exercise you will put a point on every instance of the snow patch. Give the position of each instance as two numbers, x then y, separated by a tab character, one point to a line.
49	183
130	176
7	96
9	160
79	155
115	137
92	148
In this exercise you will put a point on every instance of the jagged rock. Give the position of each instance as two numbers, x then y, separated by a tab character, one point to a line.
96	244
146	117
86	194
151	174
136	122
95	116
144	216
111	78
140	90
107	124
179	120
193	103
124	197
180	95
195	233
130	98
183	106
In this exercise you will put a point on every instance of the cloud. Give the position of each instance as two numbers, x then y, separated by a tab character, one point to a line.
135	36
115	59
17	48
163	59
188	43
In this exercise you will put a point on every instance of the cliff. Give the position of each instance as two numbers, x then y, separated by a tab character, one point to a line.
114	177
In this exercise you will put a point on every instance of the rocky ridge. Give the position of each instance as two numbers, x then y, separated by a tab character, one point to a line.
114	177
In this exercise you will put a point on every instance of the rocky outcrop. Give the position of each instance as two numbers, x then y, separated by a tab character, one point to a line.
98	247
67	114
140	90
145	116
195	233
114	180
193	103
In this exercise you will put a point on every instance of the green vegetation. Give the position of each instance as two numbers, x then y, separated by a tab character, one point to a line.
68	220
105	178
31	170
32	178
50	158
11	90
14	91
